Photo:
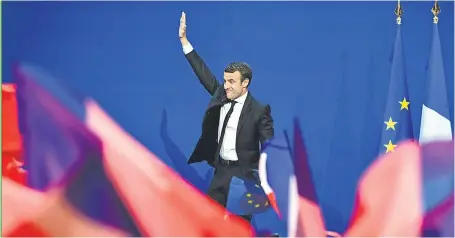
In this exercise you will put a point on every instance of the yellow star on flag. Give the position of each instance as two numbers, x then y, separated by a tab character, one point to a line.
390	147
404	104
390	124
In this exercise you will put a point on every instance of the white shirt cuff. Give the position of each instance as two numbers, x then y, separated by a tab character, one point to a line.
187	48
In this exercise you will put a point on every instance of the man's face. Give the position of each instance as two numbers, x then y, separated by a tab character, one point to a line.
233	85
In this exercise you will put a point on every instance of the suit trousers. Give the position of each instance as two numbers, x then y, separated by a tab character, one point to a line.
219	186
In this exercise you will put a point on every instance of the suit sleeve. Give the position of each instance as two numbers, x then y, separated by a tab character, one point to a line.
266	130
203	72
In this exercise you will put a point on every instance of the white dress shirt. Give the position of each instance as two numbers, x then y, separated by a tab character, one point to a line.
227	150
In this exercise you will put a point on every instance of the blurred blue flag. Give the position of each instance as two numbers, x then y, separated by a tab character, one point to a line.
438	188
89	190
50	119
397	117
61	149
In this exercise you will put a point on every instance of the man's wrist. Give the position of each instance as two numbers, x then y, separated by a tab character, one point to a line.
186	46
184	41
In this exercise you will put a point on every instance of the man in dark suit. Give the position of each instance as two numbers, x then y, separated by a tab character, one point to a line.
234	125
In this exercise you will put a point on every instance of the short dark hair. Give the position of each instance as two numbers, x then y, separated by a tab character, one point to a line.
243	68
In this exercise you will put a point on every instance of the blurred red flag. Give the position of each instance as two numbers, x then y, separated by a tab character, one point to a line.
11	138
20	207
389	196
11	141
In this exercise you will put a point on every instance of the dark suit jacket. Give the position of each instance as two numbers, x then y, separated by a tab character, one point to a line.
254	128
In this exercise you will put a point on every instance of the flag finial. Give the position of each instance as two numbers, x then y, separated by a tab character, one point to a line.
398	12
435	10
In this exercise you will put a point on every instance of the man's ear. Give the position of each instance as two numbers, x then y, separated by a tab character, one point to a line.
245	82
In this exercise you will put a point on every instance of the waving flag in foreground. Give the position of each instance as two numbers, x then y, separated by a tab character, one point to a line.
97	180
393	193
310	219
12	164
19	205
254	196
11	140
389	196
276	171
289	176
437	161
439	221
279	151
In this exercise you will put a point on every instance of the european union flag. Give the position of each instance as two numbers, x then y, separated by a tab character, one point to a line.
246	197
397	116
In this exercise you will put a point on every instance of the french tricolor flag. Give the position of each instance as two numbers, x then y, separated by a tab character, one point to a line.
435	122
276	172
287	174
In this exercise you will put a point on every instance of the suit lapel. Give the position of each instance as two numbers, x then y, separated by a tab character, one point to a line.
245	110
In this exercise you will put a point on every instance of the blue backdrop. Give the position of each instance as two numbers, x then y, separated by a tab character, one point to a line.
327	63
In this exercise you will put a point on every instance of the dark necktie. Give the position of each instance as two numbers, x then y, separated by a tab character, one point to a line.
223	130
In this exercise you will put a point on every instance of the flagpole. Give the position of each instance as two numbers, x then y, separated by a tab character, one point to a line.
435	10
398	12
